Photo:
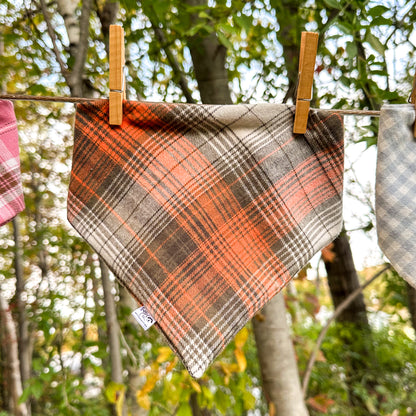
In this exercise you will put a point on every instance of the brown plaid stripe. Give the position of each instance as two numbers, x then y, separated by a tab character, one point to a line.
205	212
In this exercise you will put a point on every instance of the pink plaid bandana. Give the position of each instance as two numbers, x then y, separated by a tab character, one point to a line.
11	192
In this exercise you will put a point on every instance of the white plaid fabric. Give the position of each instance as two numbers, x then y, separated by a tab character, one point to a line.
396	188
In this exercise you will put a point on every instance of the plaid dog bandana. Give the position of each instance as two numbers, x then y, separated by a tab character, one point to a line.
205	212
11	192
396	188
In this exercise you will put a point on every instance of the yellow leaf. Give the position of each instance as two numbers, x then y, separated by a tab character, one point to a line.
241	338
145	371
114	391
164	354
119	404
143	401
272	409
149	385
171	365
195	385
241	359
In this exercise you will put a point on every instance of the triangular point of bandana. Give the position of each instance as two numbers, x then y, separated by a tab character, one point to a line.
205	212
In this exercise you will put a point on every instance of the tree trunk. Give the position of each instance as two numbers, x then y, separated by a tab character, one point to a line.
208	58
277	360
134	380
24	348
12	356
289	34
24	343
195	408
411	297
343	280
113	329
98	306
107	15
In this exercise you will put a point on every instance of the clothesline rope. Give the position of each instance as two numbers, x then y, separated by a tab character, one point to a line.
22	97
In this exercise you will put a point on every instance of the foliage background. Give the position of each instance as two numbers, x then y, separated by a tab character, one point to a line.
366	57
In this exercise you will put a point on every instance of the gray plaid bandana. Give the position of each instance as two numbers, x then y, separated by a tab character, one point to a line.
396	188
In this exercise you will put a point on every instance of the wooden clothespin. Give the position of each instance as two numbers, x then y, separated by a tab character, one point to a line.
412	99
117	84
307	58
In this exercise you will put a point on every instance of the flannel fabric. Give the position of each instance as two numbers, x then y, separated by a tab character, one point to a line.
205	212
11	192
396	188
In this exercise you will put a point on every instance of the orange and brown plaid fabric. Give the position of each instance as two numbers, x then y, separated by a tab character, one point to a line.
205	212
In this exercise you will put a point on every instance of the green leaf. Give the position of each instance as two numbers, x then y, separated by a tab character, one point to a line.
245	22
25	395
200	27
381	21
184	410
351	49
345	27
368	140
113	391
37	388
377	11
224	40
249	400
37	90
161	7
204	15
333	3
375	43
222	401
129	4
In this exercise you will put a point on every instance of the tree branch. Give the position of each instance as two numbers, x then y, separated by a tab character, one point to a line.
107	15
335	315
12	357
177	71
82	49
52	35
128	349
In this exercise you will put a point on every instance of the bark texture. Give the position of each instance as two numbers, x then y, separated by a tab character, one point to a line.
107	15
135	381
288	35
24	340
113	328
411	298
277	360
209	61
12	358
78	35
343	280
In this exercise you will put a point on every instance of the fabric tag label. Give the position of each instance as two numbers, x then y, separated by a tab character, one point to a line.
143	317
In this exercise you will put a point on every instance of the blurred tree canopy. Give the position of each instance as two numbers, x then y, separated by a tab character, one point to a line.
366	56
